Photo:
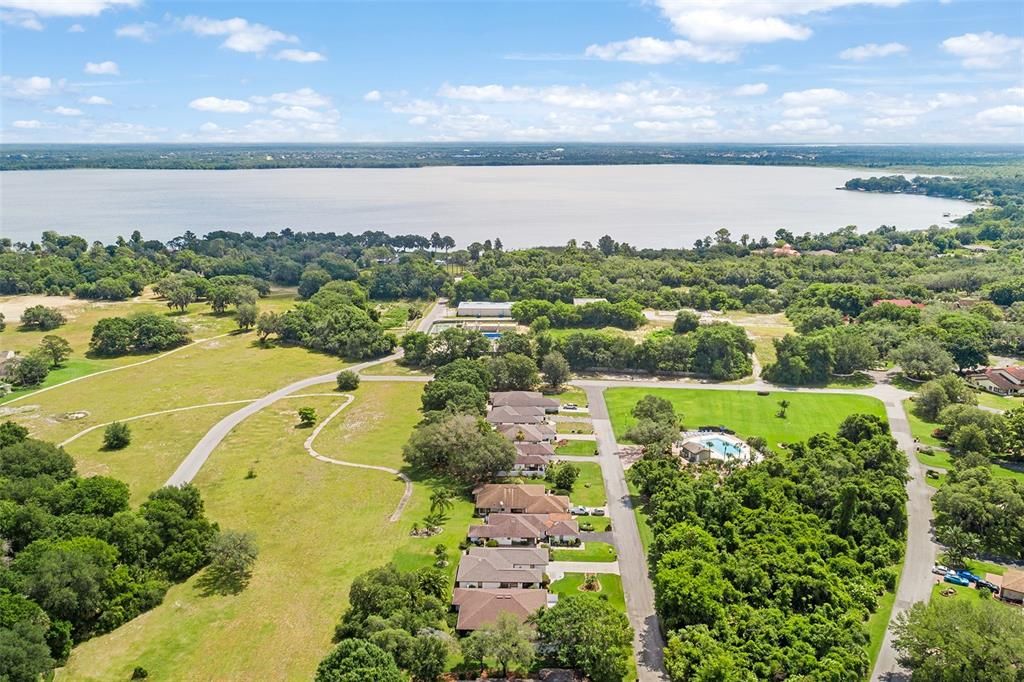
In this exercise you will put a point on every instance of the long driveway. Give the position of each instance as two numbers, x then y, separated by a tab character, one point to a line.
649	644
915	582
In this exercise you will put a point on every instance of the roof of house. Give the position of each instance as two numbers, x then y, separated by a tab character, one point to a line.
585	300
1013	580
694	447
527	433
532	497
546	449
517	556
525	526
486	305
482	607
531	460
522	399
506	414
1006	378
900	302
495	568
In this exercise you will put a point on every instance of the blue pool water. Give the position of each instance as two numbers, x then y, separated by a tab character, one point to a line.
493	335
722	447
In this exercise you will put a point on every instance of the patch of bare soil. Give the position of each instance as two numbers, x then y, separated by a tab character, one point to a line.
13	306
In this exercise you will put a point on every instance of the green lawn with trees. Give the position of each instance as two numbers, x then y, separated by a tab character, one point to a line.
591	551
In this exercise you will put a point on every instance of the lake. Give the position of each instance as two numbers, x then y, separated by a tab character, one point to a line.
656	206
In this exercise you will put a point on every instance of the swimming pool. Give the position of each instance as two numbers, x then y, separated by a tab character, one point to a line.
723	447
493	335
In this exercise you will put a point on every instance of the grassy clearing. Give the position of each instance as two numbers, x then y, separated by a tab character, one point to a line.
577	447
574	427
611	588
393	368
317	526
643	525
763	329
921	429
942	459
589	488
746	412
72	369
878	622
998	402
855	380
591	551
570	394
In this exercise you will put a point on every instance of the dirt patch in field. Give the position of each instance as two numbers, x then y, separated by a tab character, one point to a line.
13	306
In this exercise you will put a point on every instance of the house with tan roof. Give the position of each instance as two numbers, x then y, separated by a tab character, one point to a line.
477	608
528	433
1011	585
518	498
507	414
496	568
526	530
523	399
999	380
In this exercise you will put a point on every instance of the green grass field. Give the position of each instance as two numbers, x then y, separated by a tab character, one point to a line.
611	587
574	427
646	534
921	429
998	402
317	526
570	394
746	412
589	488
577	447
393	368
598	524
592	551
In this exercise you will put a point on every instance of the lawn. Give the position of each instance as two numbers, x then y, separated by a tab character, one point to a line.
611	588
317	526
570	394
574	427
998	402
646	534
921	429
942	460
393	368
878	622
589	488
746	412
597	524
577	447
592	551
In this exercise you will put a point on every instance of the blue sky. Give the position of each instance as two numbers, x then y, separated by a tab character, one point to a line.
663	70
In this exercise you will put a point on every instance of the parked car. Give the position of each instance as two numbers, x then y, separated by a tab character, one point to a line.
570	406
952	577
579	511
992	587
939	569
597	511
970	577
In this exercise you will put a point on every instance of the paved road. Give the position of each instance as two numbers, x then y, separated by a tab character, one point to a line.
648	643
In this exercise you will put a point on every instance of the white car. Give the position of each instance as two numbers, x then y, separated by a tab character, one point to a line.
579	511
570	406
939	569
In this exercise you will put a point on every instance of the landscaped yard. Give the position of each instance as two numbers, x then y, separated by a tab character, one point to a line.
393	368
589	488
570	394
941	459
921	429
611	587
746	412
646	534
317	526
998	402
577	447
574	427
597	524
591	551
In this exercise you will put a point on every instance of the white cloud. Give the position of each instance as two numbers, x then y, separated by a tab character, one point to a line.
209	127
702	126
815	97
984	50
1009	115
418	107
748	21
417	120
299	113
873	50
67	8
802	112
621	97
143	31
301	56
31	124
657	51
76	28
1017	91
241	35
675	111
28	88
750	90
373	96
107	68
25	20
303	97
66	111
221	106
813	127
890	121
949	100
95	99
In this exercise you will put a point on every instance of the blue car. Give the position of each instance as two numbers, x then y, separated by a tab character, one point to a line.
952	577
969	576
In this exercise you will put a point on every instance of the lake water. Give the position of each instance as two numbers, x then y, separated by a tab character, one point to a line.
657	206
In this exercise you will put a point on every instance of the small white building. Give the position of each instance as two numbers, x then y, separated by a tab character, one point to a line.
484	309
585	301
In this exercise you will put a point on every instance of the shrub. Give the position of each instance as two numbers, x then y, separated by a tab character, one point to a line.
116	436
307	416
348	380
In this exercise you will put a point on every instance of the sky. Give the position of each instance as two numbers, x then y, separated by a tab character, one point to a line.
784	71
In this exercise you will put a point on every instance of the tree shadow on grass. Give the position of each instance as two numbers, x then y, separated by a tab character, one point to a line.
215	581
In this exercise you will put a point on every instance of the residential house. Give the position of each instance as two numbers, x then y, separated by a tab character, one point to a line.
484	309
695	452
532	466
999	380
585	301
545	449
518	498
516	415
477	608
785	251
528	433
524	399
526	529
495	568
1011	586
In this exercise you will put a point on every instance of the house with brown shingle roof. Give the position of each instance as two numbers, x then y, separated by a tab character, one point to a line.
477	608
524	399
999	380
526	529
518	498
1011	586
528	433
516	415
496	568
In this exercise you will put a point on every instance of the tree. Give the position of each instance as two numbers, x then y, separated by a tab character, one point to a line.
923	358
1014	420
55	348
587	633
116	436
348	380
783	406
461	446
967	640
429	658
453	396
268	323
514	372
307	416
246	315
180	297
313	278
686	321
28	370
853	351
12	433
508	642
655	408
357	660
232	556
555	369
42	318
441	500
563	475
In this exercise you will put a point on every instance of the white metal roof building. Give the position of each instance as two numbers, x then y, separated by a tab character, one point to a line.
484	309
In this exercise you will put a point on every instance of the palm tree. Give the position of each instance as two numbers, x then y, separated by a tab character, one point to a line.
441	501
